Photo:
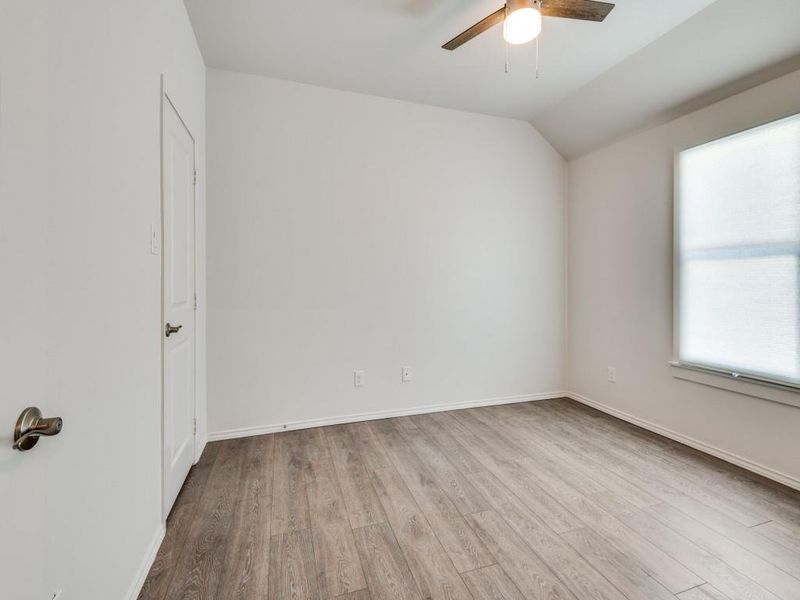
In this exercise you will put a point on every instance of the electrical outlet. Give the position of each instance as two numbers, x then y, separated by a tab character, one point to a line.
405	374
612	374
358	378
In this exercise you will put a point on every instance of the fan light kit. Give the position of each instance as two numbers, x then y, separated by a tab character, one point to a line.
522	19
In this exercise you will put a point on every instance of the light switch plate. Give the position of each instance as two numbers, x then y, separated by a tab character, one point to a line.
155	239
405	374
358	378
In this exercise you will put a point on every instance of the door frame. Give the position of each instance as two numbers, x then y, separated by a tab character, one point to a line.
165	102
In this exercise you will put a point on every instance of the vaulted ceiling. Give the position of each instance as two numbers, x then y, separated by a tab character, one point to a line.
649	60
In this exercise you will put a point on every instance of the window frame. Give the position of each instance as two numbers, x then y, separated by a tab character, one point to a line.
751	384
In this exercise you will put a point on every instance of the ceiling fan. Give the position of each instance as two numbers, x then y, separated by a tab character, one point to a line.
522	19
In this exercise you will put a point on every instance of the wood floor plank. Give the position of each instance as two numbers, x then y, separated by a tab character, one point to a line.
516	478
661	566
530	574
527	419
291	563
459	541
781	534
245	571
638	453
429	563
291	472
540	458
179	524
385	567
746	537
703	592
576	573
359	595
491	583
615	566
363	506
197	480
458	454
201	564
338	565
612	503
404	423
759	570
373	455
316	454
452	482
450	422
535	500
747	488
507	462
713	570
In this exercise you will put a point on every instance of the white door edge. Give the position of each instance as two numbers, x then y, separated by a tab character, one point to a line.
166	100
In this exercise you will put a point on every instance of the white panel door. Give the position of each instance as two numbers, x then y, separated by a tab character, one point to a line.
23	259
178	174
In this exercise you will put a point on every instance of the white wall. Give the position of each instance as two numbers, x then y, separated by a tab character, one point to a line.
100	302
23	188
353	232
620	288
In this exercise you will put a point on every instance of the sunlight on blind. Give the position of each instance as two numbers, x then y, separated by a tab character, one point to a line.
739	253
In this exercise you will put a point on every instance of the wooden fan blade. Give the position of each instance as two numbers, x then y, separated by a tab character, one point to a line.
493	19
585	10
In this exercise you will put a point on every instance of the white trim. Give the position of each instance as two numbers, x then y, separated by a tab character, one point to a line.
382	414
754	379
735	459
755	388
197	448
147	562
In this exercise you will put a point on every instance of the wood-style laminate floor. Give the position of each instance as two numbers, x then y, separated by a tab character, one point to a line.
547	500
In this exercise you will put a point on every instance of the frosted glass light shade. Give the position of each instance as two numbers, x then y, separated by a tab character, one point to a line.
738	250
522	25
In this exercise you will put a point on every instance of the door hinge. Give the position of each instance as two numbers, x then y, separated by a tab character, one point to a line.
194	180
195	301
195	427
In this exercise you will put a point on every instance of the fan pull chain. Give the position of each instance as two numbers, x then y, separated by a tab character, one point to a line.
539	4
508	61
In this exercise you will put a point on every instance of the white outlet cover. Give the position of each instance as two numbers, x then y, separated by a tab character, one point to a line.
358	378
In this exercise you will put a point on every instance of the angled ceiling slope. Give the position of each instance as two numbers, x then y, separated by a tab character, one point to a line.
729	47
602	72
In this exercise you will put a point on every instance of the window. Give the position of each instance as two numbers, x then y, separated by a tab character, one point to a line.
738	254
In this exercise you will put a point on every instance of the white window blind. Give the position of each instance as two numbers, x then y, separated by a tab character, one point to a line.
738	253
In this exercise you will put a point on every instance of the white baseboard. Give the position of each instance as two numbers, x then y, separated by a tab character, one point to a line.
383	414
735	459
147	562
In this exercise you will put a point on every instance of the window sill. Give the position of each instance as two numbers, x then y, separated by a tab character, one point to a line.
763	390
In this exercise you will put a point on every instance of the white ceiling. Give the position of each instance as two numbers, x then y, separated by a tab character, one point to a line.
729	47
392	48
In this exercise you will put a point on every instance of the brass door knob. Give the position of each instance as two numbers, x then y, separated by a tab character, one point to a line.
170	329
31	425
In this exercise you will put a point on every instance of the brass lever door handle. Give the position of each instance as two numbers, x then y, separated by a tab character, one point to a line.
30	425
170	329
